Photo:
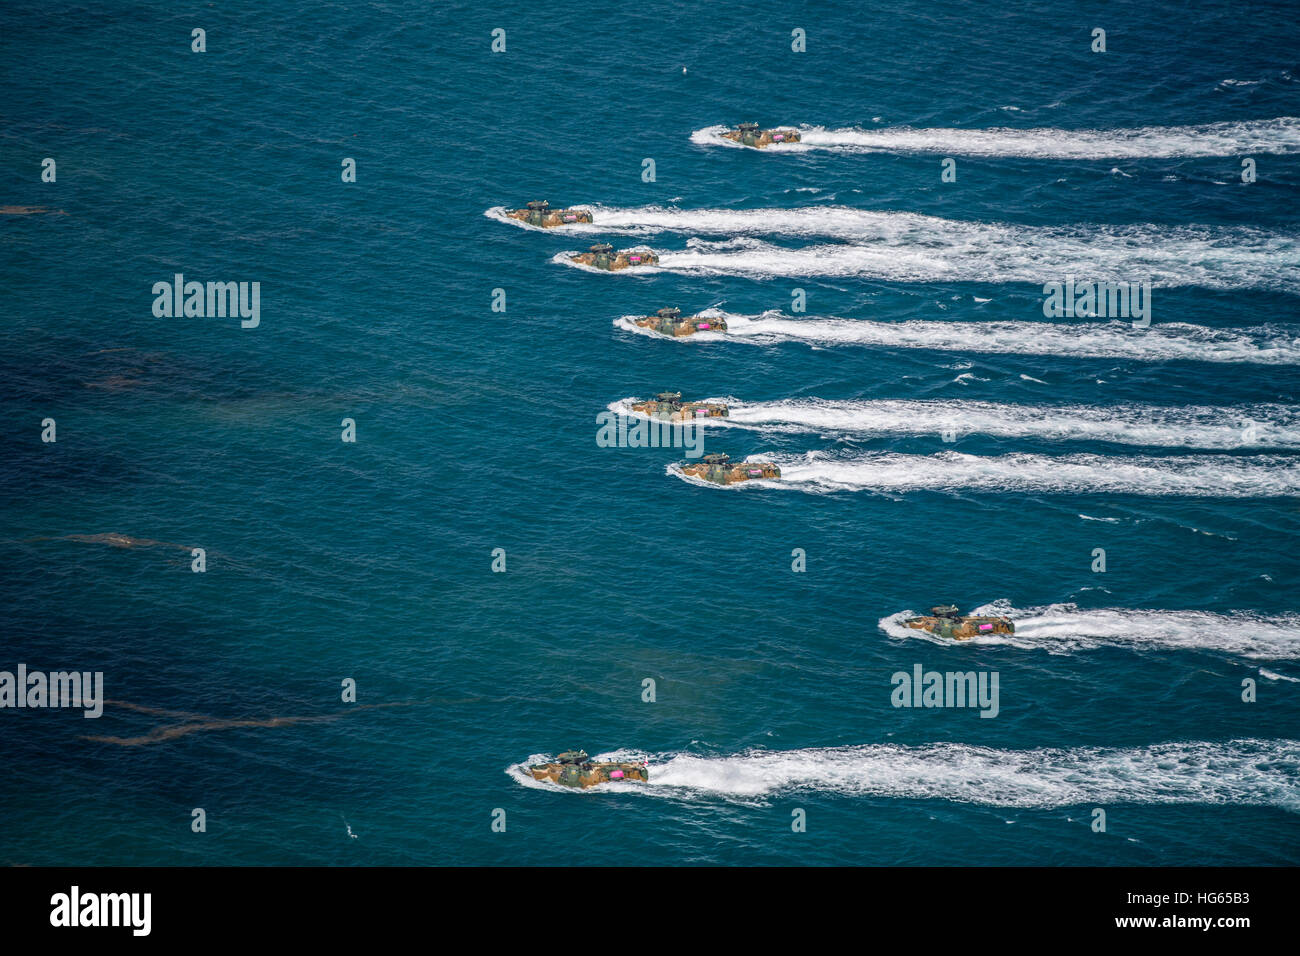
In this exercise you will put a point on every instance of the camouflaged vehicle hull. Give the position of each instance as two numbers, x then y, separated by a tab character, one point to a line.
763	138
730	473
686	325
551	218
961	628
681	411
590	774
613	262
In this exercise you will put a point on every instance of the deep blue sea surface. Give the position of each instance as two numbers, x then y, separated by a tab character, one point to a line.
1173	449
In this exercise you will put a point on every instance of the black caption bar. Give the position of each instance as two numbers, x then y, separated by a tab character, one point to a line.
334	905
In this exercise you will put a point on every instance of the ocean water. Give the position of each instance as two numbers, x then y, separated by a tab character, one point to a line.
1173	448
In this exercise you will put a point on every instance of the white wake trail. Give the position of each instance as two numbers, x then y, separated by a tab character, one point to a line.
1248	772
1066	629
1162	341
990	253
1196	476
1244	426
1231	138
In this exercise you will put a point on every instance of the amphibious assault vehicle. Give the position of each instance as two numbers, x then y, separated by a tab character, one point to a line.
947	621
603	256
539	213
668	406
671	322
721	470
748	134
574	768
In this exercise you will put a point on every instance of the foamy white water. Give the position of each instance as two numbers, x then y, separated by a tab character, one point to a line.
910	247
1264	345
1245	426
1242	258
1272	675
1213	476
1232	138
1065	629
1235	772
